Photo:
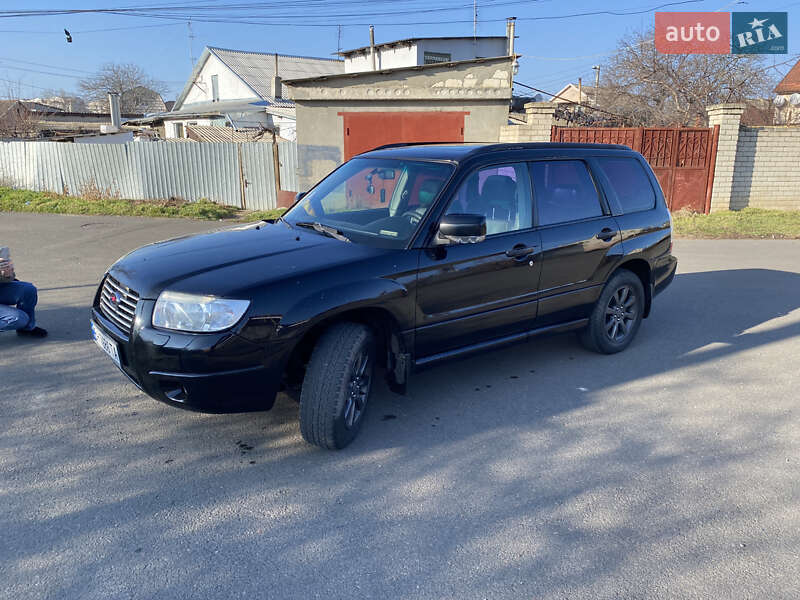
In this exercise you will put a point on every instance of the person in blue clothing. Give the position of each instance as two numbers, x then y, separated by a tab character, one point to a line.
17	303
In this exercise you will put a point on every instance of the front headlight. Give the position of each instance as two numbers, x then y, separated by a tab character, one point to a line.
188	312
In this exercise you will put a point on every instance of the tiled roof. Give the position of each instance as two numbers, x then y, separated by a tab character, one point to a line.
791	83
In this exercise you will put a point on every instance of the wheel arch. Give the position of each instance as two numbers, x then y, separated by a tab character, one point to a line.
641	268
383	324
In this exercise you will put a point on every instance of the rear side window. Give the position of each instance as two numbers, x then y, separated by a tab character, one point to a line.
630	182
564	191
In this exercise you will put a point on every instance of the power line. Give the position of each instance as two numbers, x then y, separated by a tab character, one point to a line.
281	19
26	62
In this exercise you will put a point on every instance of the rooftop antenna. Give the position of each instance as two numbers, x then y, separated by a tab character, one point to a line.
339	39
191	42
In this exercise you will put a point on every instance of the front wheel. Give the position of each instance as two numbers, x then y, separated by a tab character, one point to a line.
616	316
337	386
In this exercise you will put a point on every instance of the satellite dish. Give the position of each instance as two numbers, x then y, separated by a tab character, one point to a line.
779	101
794	99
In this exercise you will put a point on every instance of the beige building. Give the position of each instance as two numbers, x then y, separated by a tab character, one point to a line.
339	116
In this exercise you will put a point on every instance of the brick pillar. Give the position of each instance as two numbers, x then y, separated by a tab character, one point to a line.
728	117
539	118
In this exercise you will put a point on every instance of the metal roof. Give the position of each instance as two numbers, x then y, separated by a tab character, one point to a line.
392	71
256	70
204	133
414	40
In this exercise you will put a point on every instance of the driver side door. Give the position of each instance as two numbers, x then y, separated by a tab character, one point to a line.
472	293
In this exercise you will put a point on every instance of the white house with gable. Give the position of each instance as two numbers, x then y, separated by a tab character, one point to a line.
240	90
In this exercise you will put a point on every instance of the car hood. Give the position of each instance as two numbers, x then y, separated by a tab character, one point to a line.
230	261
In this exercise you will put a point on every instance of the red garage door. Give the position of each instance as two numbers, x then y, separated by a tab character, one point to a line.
367	130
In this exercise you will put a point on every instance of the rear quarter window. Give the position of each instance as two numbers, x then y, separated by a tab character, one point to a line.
630	183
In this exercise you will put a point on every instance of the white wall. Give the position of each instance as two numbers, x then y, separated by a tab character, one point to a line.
414	54
462	49
169	126
230	86
385	58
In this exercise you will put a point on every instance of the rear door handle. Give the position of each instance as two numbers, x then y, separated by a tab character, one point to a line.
606	234
519	252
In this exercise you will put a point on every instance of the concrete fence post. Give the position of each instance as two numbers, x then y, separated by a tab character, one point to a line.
539	119
728	117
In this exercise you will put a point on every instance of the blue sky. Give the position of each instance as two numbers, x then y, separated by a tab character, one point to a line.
34	54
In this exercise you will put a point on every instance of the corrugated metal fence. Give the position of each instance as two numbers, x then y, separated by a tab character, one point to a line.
152	171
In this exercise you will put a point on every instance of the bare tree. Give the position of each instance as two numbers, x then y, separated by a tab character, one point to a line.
650	88
16	120
63	100
138	92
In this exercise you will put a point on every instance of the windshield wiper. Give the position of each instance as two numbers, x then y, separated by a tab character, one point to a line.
323	229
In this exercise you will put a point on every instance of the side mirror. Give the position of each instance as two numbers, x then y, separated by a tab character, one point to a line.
461	229
299	196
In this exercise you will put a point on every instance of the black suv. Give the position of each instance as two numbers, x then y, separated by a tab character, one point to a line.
402	257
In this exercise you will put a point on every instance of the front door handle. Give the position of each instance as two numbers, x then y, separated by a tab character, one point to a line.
606	234
520	252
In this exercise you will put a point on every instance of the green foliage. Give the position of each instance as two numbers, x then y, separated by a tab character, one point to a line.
747	223
43	202
264	215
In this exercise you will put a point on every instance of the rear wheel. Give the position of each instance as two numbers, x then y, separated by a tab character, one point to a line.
616	316
337	386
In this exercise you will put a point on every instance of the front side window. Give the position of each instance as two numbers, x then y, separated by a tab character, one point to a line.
500	193
564	191
629	182
378	202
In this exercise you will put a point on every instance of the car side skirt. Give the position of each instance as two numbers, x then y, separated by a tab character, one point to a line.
506	340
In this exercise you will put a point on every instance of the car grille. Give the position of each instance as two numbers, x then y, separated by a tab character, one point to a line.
118	303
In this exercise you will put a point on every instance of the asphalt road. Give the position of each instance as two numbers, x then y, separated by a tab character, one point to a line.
540	471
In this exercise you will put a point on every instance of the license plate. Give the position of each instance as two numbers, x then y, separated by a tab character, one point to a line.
106	344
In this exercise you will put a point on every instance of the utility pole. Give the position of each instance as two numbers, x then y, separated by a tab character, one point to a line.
191	42
372	45
510	36
474	21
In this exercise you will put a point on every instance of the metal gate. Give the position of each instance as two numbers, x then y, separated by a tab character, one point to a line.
682	158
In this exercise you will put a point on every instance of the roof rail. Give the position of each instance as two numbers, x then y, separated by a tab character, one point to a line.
499	146
402	144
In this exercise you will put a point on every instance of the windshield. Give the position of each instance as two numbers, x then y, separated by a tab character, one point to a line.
378	202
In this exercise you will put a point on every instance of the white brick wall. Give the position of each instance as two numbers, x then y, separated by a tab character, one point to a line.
756	166
767	168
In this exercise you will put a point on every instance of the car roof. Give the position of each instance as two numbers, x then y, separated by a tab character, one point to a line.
459	152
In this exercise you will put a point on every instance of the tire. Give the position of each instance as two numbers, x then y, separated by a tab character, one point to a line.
337	386
616	316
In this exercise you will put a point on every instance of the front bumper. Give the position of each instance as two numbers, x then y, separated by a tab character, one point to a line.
223	372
